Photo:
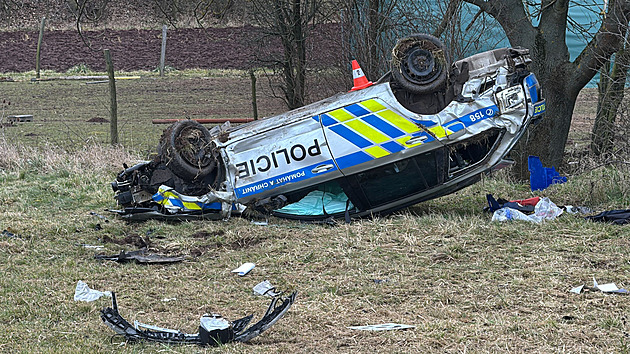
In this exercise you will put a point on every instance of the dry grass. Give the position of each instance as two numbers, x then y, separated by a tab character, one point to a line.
466	283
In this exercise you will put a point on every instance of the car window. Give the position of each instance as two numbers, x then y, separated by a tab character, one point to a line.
402	178
324	199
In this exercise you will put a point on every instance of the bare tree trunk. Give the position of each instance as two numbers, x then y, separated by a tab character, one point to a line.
610	95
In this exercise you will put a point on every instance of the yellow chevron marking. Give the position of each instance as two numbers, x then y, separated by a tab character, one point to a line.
191	206
398	121
368	132
341	115
373	105
377	151
440	131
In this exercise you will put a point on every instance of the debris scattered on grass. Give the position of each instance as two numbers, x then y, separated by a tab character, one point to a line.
544	210
84	293
605	288
244	269
265	288
382	327
577	209
542	177
140	256
618	217
7	233
94	247
99	216
213	329
577	289
608	288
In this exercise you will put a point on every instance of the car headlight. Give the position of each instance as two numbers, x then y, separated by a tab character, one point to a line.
510	99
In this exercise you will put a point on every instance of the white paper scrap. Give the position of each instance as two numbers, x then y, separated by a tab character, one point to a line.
84	293
244	269
577	289
382	327
265	288
609	288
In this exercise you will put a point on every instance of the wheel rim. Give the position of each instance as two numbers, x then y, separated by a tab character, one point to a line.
420	66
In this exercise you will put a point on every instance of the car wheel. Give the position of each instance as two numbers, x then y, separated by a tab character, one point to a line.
187	150
419	63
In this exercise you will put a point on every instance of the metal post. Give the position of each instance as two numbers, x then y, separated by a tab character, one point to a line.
112	95
254	104
163	52
39	46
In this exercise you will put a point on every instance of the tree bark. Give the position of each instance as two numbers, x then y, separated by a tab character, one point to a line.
610	94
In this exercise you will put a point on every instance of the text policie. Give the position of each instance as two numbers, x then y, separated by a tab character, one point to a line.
264	163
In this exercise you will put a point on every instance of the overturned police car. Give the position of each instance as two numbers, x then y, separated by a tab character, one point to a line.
425	129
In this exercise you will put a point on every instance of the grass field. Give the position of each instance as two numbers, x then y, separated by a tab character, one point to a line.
467	284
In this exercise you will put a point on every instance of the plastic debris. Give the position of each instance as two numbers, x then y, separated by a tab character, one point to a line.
608	288
265	288
213	329
577	209
94	247
7	233
140	256
99	216
84	293
544	210
244	269
542	177
605	288
577	289
382	327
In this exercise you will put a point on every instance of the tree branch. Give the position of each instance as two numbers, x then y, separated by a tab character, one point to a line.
606	41
512	17
453	5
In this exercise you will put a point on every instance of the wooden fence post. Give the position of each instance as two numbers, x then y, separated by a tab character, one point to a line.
113	124
254	104
163	52
39	45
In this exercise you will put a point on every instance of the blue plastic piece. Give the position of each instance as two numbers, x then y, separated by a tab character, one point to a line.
542	177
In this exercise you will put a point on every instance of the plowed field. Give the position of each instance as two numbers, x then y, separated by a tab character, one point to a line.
207	48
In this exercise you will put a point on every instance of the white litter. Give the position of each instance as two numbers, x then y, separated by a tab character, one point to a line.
84	293
244	269
608	288
544	210
605	288
382	327
266	289
577	289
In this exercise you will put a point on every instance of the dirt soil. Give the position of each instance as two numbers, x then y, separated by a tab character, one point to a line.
207	48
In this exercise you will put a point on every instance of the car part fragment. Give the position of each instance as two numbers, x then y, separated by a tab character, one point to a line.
213	329
140	256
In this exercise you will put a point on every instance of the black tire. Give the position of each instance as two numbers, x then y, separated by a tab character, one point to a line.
420	64
186	149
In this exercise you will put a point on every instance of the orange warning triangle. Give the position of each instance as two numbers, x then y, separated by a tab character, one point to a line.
360	81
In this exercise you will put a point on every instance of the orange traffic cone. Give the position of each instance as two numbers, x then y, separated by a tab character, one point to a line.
360	81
